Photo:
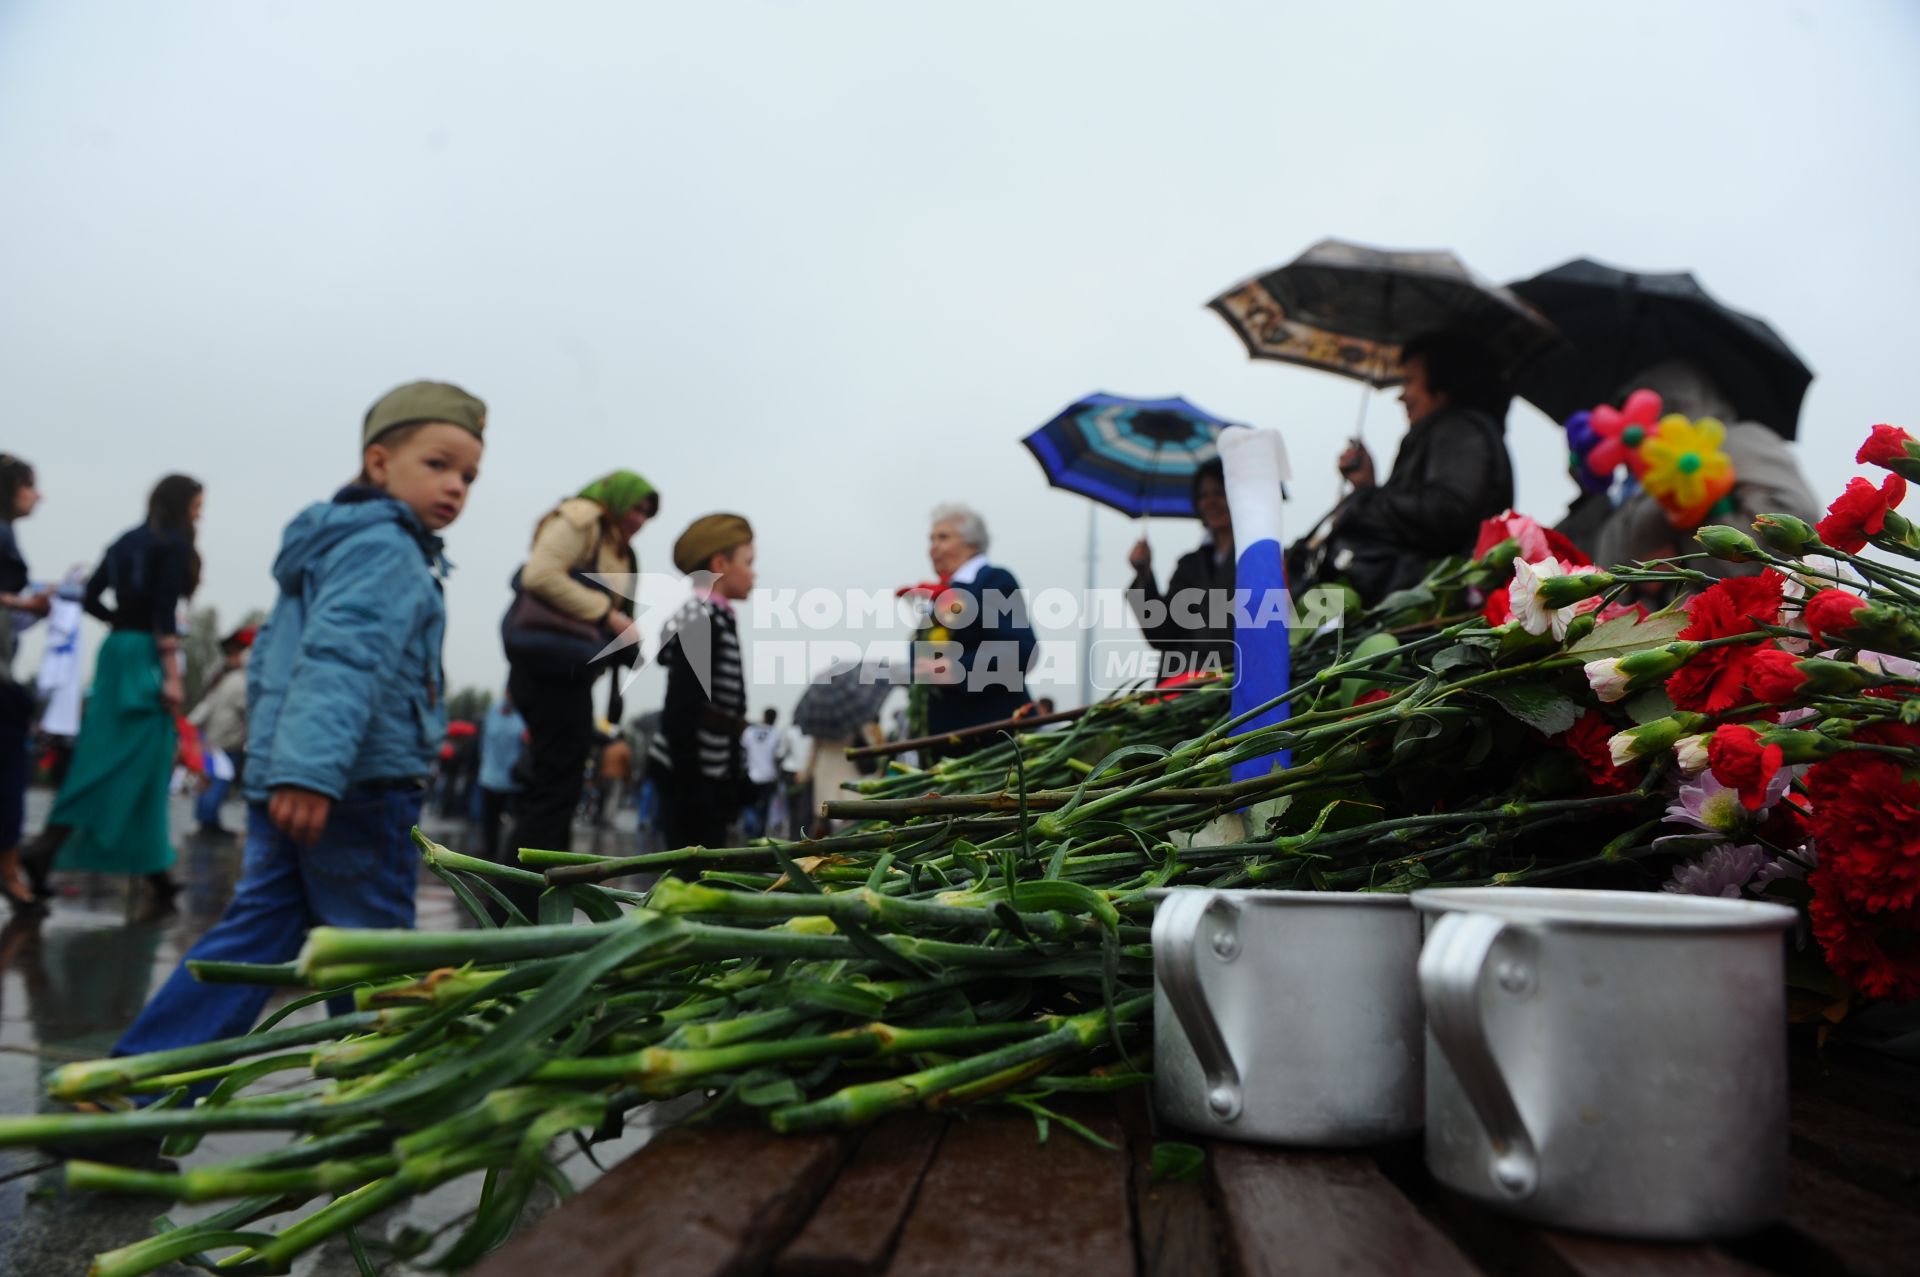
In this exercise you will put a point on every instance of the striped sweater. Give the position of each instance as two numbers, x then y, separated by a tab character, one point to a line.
700	726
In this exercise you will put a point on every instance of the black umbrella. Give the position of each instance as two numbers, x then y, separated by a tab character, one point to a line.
1347	309
838	703
1619	322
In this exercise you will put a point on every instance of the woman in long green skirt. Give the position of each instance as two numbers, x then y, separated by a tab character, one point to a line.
112	812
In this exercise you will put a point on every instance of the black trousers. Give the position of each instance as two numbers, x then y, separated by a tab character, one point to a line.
694	812
496	808
559	714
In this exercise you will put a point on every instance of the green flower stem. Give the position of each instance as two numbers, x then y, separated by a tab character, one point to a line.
446	859
93	1077
278	974
156	1252
1545	665
349	1209
259	1068
335	953
763	854
1293	844
864	907
1159	792
501	1110
216	1183
666	1071
855	1105
107	1128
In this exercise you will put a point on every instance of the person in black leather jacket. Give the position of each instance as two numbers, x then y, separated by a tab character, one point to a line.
1452	471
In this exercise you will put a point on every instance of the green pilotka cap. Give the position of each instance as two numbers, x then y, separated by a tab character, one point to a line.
424	401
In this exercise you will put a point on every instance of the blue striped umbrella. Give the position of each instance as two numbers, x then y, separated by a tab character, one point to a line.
1136	455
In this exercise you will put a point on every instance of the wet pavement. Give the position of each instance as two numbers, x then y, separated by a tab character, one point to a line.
72	980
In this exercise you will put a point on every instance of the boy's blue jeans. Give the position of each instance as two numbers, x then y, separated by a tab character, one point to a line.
361	873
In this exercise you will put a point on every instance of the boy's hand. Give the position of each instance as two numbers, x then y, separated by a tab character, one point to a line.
300	814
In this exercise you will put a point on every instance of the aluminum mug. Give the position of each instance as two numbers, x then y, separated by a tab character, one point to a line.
1287	1017
1608	1061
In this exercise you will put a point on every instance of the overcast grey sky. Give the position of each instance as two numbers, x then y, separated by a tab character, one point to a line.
824	263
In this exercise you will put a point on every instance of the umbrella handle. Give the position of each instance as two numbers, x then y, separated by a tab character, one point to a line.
1360	418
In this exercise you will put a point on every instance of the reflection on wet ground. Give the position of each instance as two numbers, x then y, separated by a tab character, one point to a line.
71	981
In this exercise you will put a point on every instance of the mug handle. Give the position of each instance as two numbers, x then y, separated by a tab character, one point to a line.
1175	966
1453	966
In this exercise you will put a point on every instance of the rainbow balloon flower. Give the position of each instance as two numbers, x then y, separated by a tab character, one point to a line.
1685	469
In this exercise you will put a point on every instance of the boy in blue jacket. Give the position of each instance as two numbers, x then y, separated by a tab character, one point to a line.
345	707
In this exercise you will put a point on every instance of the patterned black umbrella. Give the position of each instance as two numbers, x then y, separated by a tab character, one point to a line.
1347	309
1619	322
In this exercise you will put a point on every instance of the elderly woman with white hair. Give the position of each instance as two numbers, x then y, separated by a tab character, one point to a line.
977	671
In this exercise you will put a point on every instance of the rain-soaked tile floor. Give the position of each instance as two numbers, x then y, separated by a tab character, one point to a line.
72	980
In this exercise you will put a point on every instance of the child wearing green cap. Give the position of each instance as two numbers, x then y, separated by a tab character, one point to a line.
345	707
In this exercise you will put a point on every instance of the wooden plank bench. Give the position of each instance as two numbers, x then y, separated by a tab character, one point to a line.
954	1194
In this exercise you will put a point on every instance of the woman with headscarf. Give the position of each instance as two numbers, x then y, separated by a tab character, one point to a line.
555	633
19	493
111	815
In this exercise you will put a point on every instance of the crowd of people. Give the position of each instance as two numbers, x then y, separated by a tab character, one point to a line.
328	717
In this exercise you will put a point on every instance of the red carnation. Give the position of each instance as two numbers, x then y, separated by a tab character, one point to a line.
1879	954
1741	762
1369	697
1499	608
1886	445
1866	815
1715	679
1587	739
1774	676
1570	556
1860	512
1830	613
1534	541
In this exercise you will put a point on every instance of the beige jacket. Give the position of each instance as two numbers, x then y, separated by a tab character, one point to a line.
221	714
575	537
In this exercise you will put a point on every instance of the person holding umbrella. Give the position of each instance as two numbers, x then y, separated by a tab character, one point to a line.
1662	331
1187	625
1419	317
1147	457
1767	478
1452	471
839	710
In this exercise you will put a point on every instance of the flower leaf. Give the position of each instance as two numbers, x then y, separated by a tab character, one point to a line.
1414	731
1228	827
1646	706
1624	634
1540	706
1467	656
